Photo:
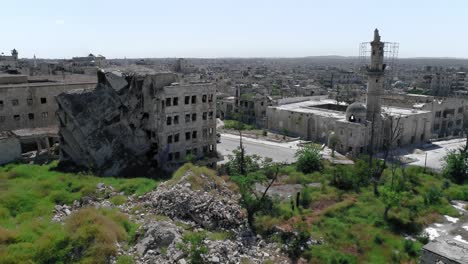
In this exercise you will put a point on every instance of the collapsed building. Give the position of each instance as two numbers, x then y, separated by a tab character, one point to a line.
133	123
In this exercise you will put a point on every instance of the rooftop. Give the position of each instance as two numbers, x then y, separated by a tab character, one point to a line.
323	107
450	248
40	131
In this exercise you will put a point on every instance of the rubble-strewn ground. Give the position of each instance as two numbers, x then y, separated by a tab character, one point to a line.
48	216
193	217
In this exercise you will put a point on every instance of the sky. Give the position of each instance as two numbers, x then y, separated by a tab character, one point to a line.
230	28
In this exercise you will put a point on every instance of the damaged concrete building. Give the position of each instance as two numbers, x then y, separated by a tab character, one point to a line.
27	110
134	122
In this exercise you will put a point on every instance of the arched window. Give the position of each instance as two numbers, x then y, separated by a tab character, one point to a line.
352	118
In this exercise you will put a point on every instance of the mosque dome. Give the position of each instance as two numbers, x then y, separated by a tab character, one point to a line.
356	113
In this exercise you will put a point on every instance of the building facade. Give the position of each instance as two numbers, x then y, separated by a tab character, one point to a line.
28	105
186	128
358	127
449	114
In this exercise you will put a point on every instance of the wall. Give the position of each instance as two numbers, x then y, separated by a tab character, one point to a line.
204	145
31	109
10	149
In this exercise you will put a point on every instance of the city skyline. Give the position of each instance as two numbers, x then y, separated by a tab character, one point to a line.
240	29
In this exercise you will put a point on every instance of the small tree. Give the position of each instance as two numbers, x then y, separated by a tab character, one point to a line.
393	193
250	200
309	158
333	141
456	165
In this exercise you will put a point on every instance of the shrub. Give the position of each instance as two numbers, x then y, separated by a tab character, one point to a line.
93	234
423	238
197	248
309	159
432	196
234	124
125	260
378	239
410	248
6	236
456	166
118	199
344	179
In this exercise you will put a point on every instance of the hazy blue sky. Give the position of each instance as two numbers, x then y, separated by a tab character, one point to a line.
230	28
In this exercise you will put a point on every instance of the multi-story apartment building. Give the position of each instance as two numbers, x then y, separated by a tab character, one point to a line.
27	108
187	123
28	104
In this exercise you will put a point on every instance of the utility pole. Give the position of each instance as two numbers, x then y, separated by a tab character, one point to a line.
425	163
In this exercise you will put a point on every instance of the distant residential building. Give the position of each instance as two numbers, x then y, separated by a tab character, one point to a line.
8	62
28	109
449	114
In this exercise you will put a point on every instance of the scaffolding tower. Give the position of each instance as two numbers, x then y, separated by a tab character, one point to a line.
390	60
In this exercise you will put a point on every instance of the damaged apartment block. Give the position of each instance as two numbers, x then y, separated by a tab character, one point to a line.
133	124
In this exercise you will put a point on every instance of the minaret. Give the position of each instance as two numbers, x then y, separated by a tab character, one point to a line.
14	54
375	79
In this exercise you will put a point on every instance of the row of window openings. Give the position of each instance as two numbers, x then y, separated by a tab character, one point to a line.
448	112
174	101
189	135
30	117
29	101
449	124
188	117
176	155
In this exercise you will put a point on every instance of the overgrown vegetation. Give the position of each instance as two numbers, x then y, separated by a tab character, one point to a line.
28	194
456	167
309	158
237	125
341	207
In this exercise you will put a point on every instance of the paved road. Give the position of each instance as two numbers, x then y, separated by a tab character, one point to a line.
435	153
279	152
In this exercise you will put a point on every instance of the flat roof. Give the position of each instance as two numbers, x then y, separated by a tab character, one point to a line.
39	131
449	248
308	108
393	110
39	84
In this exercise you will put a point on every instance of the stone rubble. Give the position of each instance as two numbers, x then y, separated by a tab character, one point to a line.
213	208
103	192
207	210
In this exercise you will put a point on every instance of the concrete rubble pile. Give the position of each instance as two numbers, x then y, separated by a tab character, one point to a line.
210	208
175	208
107	129
99	200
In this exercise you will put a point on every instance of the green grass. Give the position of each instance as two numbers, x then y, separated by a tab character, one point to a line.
28	194
234	124
197	178
118	199
351	221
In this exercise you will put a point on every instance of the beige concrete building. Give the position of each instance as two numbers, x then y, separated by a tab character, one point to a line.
188	123
8	62
28	109
449	114
27	104
10	149
317	119
359	128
